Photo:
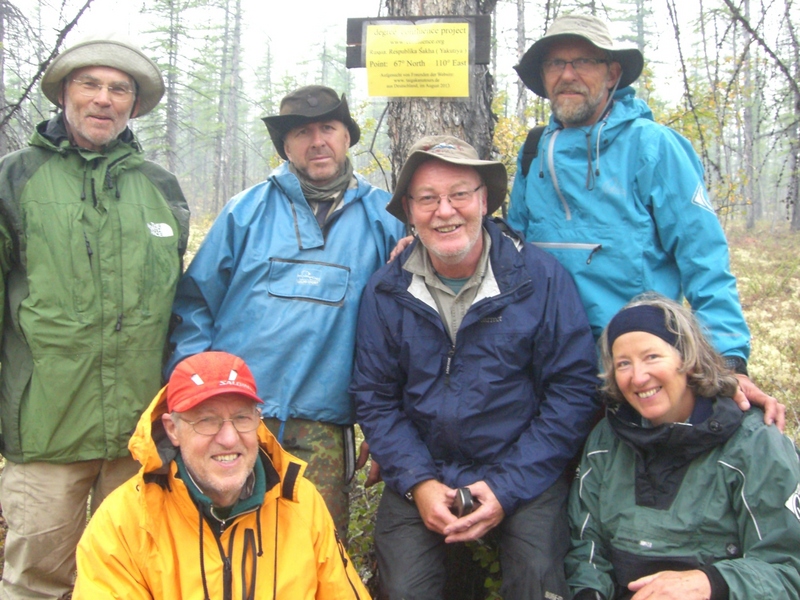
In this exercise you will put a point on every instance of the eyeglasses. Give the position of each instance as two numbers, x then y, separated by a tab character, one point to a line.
579	65
213	425
429	202
116	91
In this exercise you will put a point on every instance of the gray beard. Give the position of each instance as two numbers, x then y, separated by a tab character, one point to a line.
576	114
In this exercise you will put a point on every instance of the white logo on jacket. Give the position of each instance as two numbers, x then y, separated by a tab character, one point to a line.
701	199
306	277
160	230
793	503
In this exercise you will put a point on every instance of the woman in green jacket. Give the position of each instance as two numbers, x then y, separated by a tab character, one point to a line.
680	495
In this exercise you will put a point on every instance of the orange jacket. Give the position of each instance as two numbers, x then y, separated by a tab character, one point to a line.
148	539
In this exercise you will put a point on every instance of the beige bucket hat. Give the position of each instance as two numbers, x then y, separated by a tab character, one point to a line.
457	152
594	31
107	50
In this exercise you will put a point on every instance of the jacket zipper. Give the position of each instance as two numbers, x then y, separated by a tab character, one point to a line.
592	248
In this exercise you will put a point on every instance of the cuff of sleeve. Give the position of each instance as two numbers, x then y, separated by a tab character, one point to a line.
736	364
587	594
719	587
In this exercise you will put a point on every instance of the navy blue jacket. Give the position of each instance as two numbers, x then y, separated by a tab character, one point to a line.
509	403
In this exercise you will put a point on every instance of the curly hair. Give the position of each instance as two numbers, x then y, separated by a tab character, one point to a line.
706	373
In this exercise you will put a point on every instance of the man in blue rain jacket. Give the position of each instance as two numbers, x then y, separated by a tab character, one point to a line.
278	280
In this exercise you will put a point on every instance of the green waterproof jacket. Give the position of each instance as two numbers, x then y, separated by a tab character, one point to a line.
91	246
719	493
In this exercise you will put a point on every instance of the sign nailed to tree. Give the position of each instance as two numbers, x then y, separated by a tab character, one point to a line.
415	60
417	57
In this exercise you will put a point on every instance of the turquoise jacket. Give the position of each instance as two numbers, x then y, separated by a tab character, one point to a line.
623	206
271	286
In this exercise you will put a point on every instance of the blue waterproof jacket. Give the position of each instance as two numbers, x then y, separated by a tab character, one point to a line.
623	206
509	402
271	286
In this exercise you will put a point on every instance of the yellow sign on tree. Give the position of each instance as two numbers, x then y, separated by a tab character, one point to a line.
423	60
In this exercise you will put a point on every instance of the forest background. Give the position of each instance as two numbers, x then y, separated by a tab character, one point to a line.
724	73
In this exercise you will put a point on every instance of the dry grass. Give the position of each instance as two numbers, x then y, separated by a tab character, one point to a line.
766	262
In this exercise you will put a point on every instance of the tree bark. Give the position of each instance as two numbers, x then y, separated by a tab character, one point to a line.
470	119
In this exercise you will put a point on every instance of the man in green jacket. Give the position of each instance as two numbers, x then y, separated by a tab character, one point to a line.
91	244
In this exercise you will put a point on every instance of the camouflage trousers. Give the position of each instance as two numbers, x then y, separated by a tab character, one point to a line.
321	445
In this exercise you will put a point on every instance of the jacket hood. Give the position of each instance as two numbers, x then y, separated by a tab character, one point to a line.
690	439
625	108
152	448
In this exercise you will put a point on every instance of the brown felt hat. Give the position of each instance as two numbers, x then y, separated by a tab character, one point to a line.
594	31
457	152
113	50
310	104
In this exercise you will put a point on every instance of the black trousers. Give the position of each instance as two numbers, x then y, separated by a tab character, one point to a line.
533	543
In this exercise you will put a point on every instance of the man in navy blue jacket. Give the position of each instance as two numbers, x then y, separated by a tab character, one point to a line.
475	368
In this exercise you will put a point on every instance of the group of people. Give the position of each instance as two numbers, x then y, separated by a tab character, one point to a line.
469	360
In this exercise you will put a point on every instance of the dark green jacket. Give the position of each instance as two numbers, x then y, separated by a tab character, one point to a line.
721	492
91	246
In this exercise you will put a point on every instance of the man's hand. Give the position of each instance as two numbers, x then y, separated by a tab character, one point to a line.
672	585
401	245
486	516
433	500
374	475
774	411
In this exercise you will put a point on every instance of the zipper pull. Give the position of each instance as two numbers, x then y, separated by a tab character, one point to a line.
118	326
88	248
592	253
447	365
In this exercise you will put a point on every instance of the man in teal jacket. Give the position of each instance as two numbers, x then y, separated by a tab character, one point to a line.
278	281
91	240
619	199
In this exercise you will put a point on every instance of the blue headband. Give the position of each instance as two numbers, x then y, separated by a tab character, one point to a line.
644	317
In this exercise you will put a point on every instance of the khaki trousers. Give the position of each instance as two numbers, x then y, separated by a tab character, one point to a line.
44	505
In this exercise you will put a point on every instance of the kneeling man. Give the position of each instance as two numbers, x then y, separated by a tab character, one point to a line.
475	368
218	510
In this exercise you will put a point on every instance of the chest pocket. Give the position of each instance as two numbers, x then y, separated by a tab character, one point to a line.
308	280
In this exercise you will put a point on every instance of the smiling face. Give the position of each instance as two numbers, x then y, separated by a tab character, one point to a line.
93	123
220	464
452	236
318	150
647	372
578	99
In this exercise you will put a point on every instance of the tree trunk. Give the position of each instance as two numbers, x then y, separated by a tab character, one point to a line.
522	91
172	85
469	119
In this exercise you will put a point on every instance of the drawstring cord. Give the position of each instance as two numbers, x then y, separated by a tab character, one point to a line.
590	174
275	558
202	560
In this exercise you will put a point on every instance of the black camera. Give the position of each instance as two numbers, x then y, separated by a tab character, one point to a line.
463	504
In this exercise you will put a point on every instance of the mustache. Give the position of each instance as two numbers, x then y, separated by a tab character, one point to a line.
571	89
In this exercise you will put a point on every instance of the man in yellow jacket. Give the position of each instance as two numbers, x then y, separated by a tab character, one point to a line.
218	510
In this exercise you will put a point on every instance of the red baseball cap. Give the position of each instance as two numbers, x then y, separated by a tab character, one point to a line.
206	375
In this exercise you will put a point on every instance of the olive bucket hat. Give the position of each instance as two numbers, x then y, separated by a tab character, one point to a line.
454	151
310	104
113	50
594	31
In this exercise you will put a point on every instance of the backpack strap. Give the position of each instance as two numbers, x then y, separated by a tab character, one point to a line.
531	148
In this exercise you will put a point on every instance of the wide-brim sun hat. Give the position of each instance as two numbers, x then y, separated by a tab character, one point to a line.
310	104
594	31
113	50
457	152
